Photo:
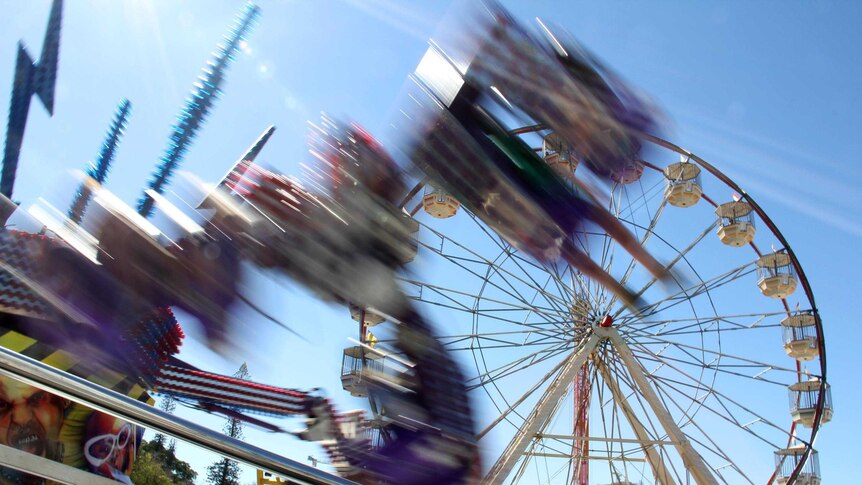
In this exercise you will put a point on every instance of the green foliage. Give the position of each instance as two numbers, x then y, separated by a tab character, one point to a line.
223	472
149	469
153	455
167	404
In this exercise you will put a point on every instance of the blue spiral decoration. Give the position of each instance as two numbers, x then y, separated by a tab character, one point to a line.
198	106
99	170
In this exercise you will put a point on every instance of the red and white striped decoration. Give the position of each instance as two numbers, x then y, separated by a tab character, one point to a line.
230	391
278	196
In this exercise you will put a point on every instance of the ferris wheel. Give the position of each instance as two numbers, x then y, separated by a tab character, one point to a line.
569	384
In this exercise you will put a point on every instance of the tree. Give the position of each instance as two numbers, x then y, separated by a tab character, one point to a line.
157	462
167	404
148	471
225	471
157	465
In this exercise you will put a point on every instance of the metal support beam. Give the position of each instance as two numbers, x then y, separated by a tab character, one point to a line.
590	457
48	469
71	387
691	459
538	418
653	457
599	439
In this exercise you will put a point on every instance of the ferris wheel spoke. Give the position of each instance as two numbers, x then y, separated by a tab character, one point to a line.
645	324
593	295
558	278
622	371
692	330
521	263
604	421
511	368
696	325
721	399
559	471
560	302
689	420
693	462
466	302
493	380
615	418
680	255
648	232
643	204
744	362
713	447
491	268
725	414
503	370
546	453
545	322
505	413
562	289
608	246
642	200
616	203
542	411
614	422
701	288
497	337
559	282
526	262
720	368
528	456
496	344
494	269
625	192
613	373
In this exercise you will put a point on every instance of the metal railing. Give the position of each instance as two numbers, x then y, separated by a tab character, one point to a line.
92	395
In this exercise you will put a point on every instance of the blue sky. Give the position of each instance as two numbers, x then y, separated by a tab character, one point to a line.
766	91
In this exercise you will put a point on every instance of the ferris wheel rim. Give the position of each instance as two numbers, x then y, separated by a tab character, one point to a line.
800	272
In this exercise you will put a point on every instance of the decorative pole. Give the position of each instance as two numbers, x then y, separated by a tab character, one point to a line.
233	177
30	78
581	432
198	106
99	170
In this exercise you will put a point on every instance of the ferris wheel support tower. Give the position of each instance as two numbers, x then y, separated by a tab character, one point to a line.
537	420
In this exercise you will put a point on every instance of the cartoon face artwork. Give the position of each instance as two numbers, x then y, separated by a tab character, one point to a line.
109	446
41	423
30	419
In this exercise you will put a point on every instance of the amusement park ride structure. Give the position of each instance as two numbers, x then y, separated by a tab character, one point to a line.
628	362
